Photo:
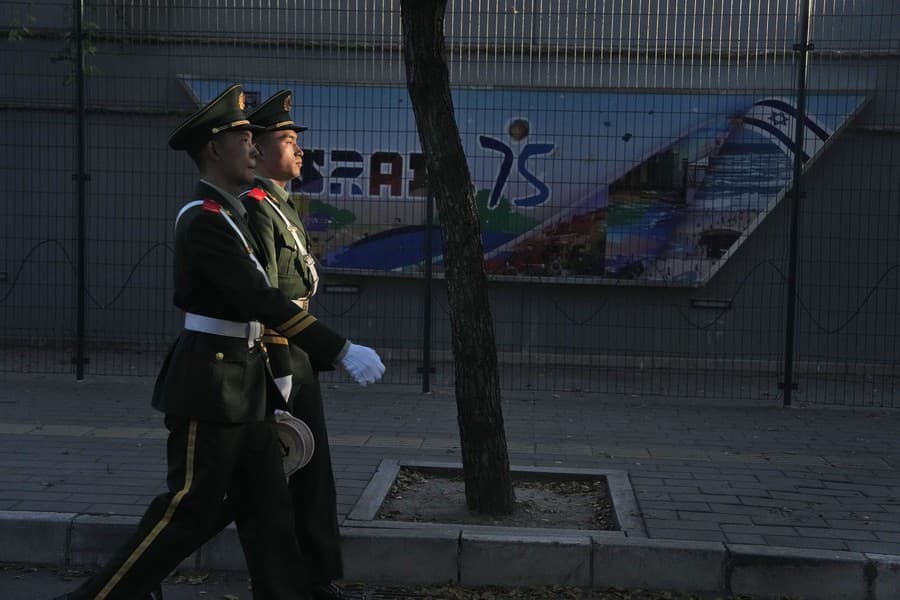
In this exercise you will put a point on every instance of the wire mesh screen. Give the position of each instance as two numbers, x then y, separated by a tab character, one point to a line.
633	162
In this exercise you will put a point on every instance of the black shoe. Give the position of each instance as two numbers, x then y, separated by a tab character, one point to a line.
332	591
154	595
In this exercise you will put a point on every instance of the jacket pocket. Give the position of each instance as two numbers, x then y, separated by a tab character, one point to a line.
287	256
206	376
227	375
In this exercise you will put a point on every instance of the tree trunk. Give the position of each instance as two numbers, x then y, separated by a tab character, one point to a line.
482	437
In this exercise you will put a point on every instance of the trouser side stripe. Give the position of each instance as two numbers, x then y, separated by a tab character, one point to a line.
163	523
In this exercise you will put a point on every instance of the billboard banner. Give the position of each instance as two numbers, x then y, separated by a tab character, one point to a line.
650	187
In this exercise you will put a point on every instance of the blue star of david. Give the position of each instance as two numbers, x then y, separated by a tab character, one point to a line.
778	118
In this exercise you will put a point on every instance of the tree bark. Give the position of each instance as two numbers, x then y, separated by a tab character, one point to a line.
482	436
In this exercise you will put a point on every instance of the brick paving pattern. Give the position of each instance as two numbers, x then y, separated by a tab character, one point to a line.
821	478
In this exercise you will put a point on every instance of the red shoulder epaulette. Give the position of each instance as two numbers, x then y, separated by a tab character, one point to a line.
257	194
211	206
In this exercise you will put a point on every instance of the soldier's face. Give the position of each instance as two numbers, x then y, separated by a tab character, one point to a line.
280	158
236	156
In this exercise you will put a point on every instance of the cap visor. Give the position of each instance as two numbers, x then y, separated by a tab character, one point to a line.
291	127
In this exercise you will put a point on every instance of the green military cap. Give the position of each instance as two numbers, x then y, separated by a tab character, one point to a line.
224	113
275	113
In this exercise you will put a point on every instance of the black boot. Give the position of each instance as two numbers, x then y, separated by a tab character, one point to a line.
155	594
332	591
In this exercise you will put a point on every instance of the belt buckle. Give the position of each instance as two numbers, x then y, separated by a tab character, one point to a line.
254	333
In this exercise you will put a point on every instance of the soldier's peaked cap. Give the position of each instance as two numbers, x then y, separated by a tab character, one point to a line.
223	113
275	113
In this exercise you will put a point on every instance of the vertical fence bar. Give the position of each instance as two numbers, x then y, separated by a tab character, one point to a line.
426	306
801	51
81	178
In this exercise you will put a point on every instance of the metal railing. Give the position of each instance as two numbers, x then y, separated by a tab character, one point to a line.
692	199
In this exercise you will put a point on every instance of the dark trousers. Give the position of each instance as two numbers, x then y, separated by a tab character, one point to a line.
313	493
214	470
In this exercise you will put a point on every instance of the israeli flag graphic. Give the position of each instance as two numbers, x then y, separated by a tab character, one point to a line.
776	118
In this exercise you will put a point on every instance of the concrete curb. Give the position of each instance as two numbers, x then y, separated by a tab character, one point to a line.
621	493
886	576
412	553
660	564
768	571
33	537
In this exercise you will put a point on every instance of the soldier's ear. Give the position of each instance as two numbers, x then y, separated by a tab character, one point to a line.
212	149
201	153
258	149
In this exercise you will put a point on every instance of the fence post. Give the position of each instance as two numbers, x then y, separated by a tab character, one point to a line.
801	51
426	307
81	178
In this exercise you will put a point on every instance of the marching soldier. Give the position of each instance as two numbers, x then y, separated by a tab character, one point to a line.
214	387
274	216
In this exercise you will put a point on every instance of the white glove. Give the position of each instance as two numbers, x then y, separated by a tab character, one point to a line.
281	415
363	364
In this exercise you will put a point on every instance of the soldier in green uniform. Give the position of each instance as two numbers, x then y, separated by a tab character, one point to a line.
274	215
214	387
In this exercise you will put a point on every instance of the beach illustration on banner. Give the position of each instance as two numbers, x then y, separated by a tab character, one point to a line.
652	186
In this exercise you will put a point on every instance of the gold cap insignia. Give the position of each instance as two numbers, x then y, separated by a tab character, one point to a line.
287	103
241	102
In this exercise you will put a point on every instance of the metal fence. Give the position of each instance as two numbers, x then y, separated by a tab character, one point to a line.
689	198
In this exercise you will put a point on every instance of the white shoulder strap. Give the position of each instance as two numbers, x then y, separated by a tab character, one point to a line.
307	258
185	208
236	229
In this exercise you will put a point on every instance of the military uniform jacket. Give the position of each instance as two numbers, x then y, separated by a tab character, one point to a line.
215	377
286	267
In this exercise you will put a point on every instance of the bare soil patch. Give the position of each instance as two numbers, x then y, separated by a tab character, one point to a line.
559	503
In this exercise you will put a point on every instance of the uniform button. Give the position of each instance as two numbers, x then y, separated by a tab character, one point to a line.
219	356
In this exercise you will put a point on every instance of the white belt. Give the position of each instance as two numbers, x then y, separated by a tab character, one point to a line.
252	331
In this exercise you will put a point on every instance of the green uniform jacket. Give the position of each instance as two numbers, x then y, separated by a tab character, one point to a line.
286	268
214	377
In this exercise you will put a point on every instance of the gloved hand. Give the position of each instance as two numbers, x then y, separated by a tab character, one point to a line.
281	415
363	364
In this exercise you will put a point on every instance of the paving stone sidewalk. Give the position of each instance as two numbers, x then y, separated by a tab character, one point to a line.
825	478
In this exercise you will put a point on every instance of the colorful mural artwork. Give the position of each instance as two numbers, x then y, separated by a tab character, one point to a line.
648	187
